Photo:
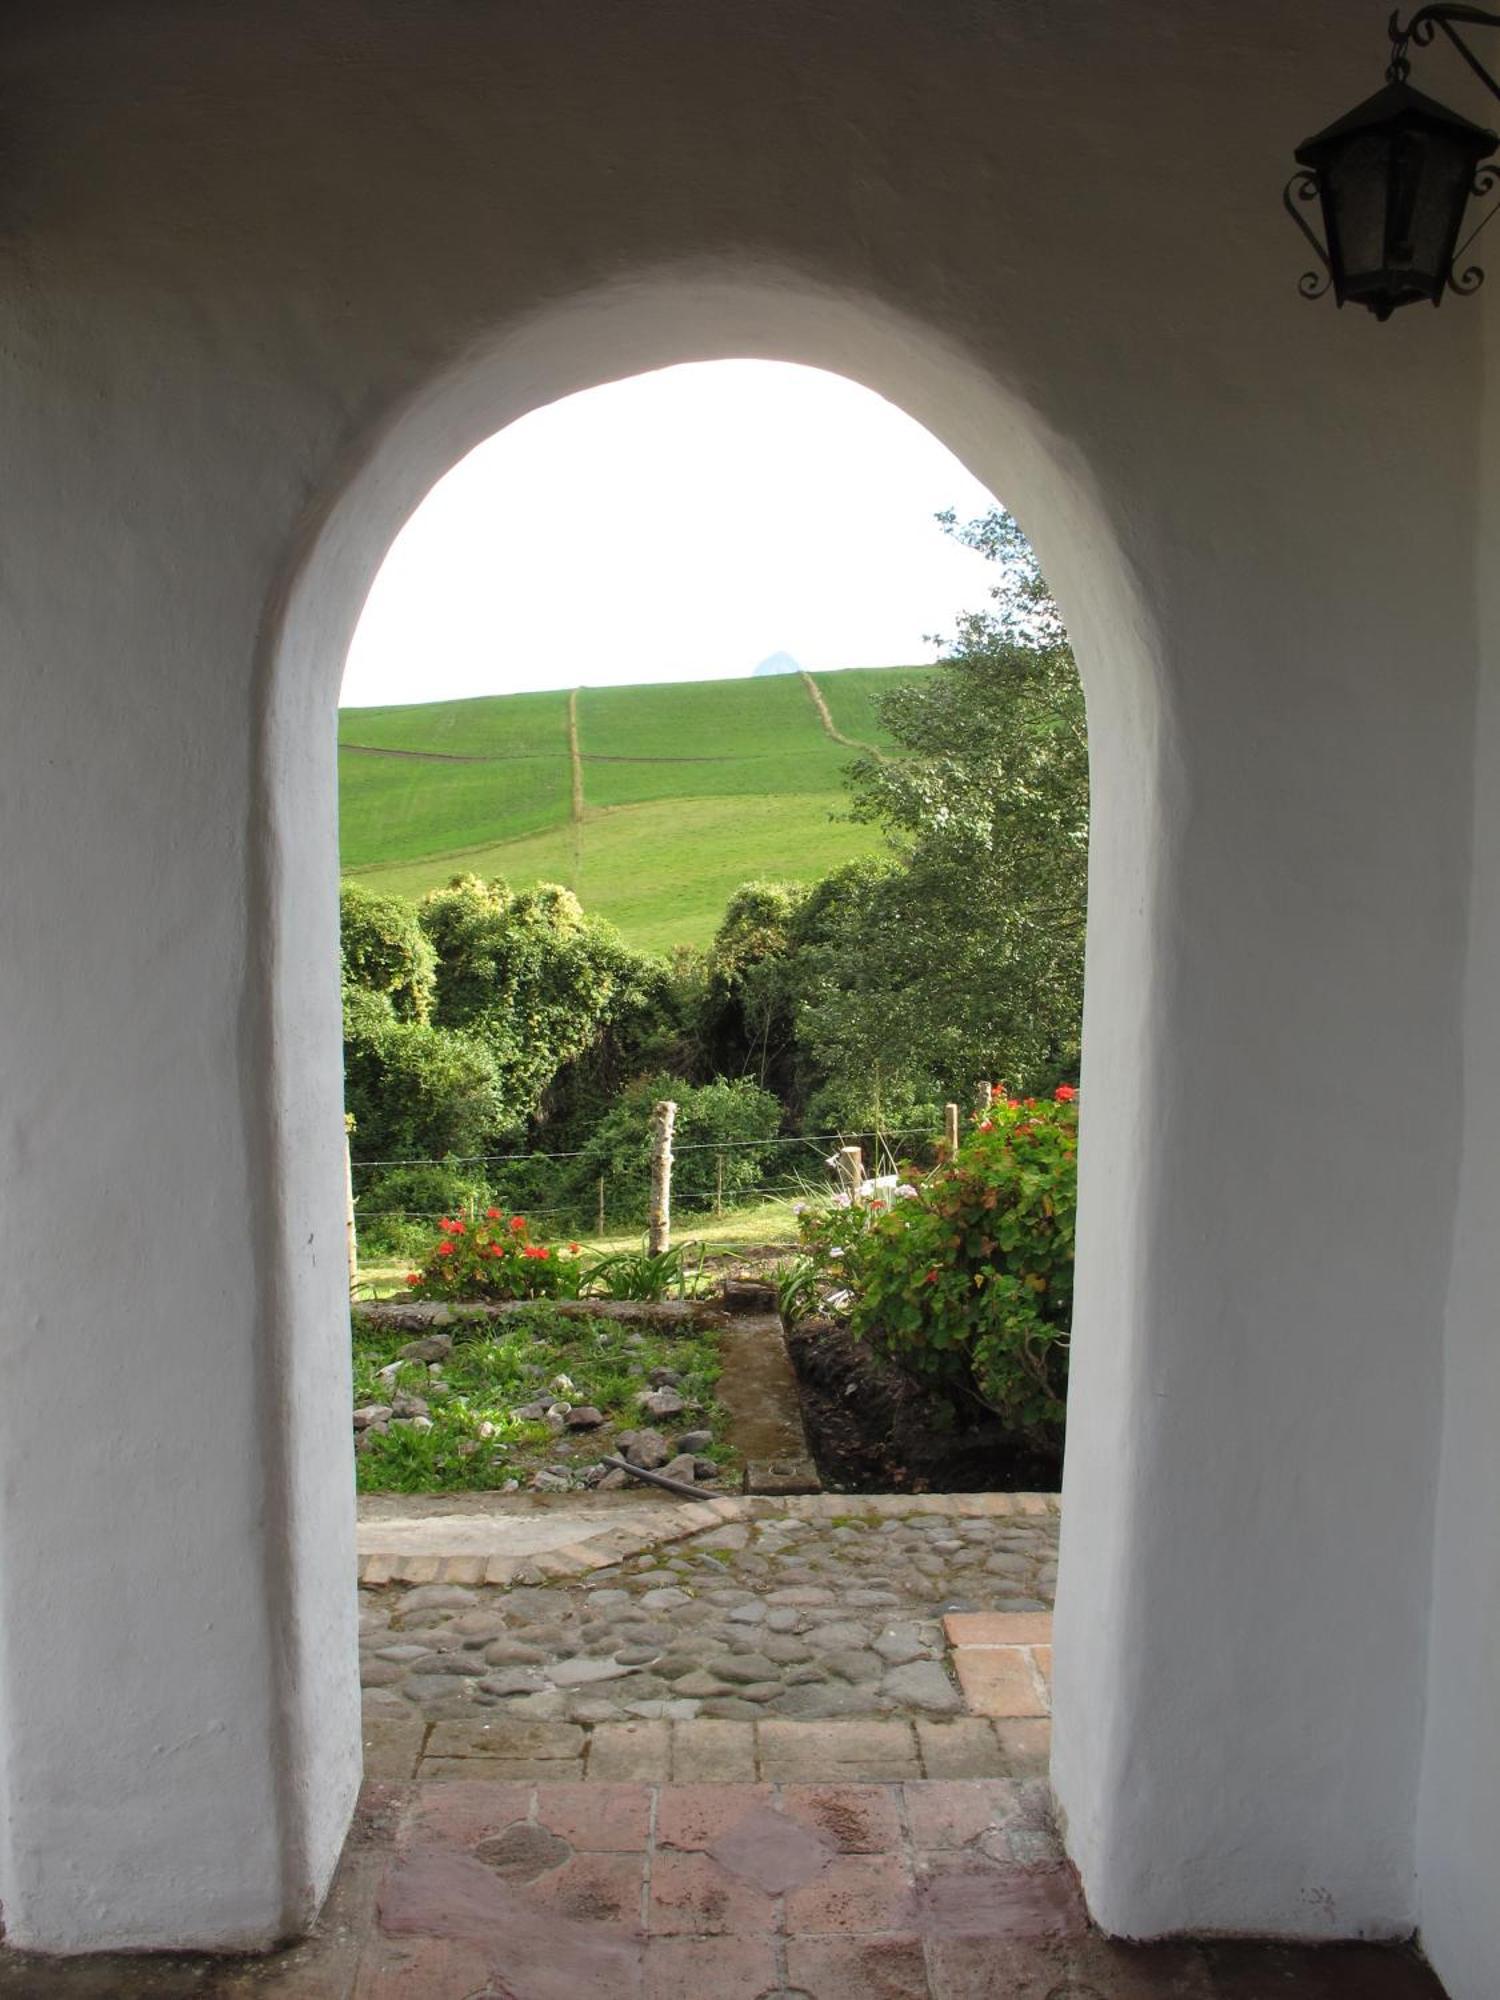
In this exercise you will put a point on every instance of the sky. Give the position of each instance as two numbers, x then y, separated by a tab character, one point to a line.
682	525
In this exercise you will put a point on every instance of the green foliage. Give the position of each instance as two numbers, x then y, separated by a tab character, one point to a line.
747	1018
500	1256
385	951
967	1282
722	1114
963	957
649	1275
395	1207
477	1441
652	1027
415	1090
525	973
796	1289
495	1257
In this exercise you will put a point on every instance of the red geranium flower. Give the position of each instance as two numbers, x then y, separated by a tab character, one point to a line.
1065	1093
492	1215
449	1227
535	1250
518	1223
573	1249
445	1249
414	1277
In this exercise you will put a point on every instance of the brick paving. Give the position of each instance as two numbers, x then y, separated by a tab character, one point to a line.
632	1818
787	1889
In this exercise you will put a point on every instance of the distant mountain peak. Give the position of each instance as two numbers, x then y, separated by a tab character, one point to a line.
776	663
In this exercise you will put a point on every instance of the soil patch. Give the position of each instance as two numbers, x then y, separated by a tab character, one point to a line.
873	1429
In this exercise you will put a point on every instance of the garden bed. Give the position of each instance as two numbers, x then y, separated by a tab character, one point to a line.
874	1429
533	1397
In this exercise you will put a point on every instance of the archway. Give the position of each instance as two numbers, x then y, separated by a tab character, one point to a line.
628	329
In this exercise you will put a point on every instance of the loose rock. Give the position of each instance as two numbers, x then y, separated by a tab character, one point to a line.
662	1402
649	1449
431	1347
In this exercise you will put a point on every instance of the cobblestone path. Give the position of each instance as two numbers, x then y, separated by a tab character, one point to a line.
774	1619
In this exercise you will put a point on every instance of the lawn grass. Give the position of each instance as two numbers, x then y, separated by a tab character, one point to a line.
703	738
689	788
853	700
477	1442
401	809
662	871
768	1224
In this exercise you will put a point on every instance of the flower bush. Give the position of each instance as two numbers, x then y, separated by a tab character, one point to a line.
495	1257
968	1282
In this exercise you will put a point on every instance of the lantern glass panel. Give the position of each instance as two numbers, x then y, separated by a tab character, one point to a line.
1394	200
1354	188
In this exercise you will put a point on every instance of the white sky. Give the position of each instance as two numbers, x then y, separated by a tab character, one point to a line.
675	526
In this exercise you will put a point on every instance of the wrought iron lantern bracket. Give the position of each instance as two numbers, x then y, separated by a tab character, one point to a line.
1394	178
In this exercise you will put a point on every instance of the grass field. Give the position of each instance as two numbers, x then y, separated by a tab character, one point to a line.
770	1224
688	788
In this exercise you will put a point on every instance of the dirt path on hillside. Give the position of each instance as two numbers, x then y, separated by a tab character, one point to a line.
575	765
815	696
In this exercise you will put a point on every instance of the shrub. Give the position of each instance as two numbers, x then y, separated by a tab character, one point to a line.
495	1257
396	1207
710	1116
524	972
967	1282
417	1090
646	1274
385	951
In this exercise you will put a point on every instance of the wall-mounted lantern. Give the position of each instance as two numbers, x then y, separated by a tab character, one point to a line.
1394	178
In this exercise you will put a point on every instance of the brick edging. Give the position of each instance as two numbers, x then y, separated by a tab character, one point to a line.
673	1524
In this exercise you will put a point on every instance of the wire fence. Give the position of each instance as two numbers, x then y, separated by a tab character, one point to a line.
561	1189
810	1139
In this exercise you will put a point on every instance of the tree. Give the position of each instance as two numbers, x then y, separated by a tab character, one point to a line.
963	958
748	1008
416	1091
524	972
385	951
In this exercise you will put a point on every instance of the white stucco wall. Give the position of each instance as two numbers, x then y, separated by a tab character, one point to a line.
1460	1821
266	273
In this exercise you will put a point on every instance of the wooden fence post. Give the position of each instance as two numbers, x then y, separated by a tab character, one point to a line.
718	1184
663	1117
982	1099
350	1234
950	1128
850	1168
601	1204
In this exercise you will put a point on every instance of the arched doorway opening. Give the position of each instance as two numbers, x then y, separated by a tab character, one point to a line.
605	336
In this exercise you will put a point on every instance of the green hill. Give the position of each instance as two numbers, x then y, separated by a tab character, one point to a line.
678	792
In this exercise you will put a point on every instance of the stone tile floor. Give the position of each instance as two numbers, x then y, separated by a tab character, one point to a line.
774	1891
